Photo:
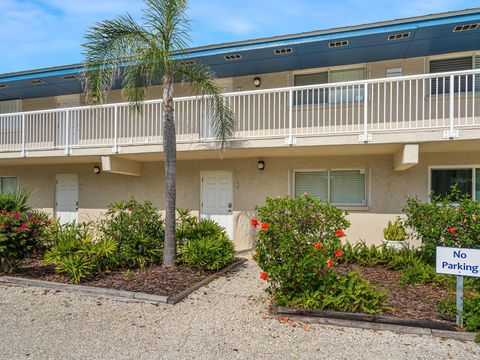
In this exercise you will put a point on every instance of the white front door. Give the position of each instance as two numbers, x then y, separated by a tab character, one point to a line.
217	198
64	102
66	198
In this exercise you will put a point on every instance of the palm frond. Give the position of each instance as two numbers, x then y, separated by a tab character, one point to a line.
168	19
202	82
110	44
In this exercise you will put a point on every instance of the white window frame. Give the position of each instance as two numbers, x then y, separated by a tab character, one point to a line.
10	176
452	167
366	171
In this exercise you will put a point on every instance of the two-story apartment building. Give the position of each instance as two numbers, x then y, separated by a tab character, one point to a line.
361	116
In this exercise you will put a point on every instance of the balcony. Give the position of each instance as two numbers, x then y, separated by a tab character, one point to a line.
443	103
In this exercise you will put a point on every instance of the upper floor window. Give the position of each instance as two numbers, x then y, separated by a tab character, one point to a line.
461	83
331	95
8	184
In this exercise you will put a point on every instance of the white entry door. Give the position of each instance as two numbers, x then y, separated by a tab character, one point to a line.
66	198
217	198
64	102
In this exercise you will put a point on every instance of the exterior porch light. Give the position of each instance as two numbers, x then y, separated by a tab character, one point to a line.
257	82
261	165
96	170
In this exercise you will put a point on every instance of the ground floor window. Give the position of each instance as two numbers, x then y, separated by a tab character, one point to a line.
466	179
338	187
8	184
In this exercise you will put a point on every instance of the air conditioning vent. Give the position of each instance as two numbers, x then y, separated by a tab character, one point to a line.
283	51
233	57
37	82
466	27
69	77
3	86
400	36
187	62
338	44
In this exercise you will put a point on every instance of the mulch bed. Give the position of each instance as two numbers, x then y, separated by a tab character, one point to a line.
154	280
408	301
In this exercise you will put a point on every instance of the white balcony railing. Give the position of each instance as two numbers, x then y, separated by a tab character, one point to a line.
432	101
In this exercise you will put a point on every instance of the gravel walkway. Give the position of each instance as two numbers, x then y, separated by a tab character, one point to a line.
226	320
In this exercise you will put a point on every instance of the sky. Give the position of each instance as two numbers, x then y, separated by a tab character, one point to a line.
43	33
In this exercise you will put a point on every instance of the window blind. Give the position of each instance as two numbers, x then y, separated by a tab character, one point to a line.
8	184
312	183
347	187
347	75
447	65
477	76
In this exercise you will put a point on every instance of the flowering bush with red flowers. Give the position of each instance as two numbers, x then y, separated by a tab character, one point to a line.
20	234
452	220
298	243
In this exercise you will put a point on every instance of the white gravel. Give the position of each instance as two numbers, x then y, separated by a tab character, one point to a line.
226	320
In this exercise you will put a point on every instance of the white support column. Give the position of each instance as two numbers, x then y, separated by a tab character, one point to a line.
290	140
365	137
24	153
451	133
406	158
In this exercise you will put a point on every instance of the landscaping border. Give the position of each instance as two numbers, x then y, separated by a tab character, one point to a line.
119	295
374	322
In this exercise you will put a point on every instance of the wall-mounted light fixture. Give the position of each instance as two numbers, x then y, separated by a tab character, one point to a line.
96	170
257	82
261	165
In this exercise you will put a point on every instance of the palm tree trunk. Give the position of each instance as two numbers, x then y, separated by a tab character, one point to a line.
170	159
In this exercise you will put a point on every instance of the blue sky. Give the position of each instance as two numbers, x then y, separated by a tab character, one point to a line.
43	33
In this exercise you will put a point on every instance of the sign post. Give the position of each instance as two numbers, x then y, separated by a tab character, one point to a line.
459	262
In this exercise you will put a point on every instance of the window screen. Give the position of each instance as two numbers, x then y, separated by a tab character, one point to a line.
312	183
461	83
347	187
444	179
307	97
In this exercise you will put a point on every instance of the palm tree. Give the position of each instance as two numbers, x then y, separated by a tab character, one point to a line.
141	55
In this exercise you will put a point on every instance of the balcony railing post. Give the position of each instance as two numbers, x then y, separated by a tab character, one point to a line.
115	129
290	140
451	133
24	153
67	132
365	137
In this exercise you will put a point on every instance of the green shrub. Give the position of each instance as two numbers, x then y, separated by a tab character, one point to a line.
452	220
343	292
138	231
471	311
394	232
391	258
211	253
78	253
425	274
203	244
299	241
20	235
16	201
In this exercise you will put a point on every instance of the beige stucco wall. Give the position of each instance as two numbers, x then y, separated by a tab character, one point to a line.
387	193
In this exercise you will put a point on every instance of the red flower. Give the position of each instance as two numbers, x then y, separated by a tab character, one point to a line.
340	233
254	222
317	246
329	262
130	209
451	230
264	276
264	226
319	271
338	253
17	216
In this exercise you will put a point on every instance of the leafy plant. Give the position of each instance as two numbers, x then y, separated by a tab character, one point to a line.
138	231
212	252
15	201
425	274
452	220
299	242
394	232
78	253
20	235
471	311
203	244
